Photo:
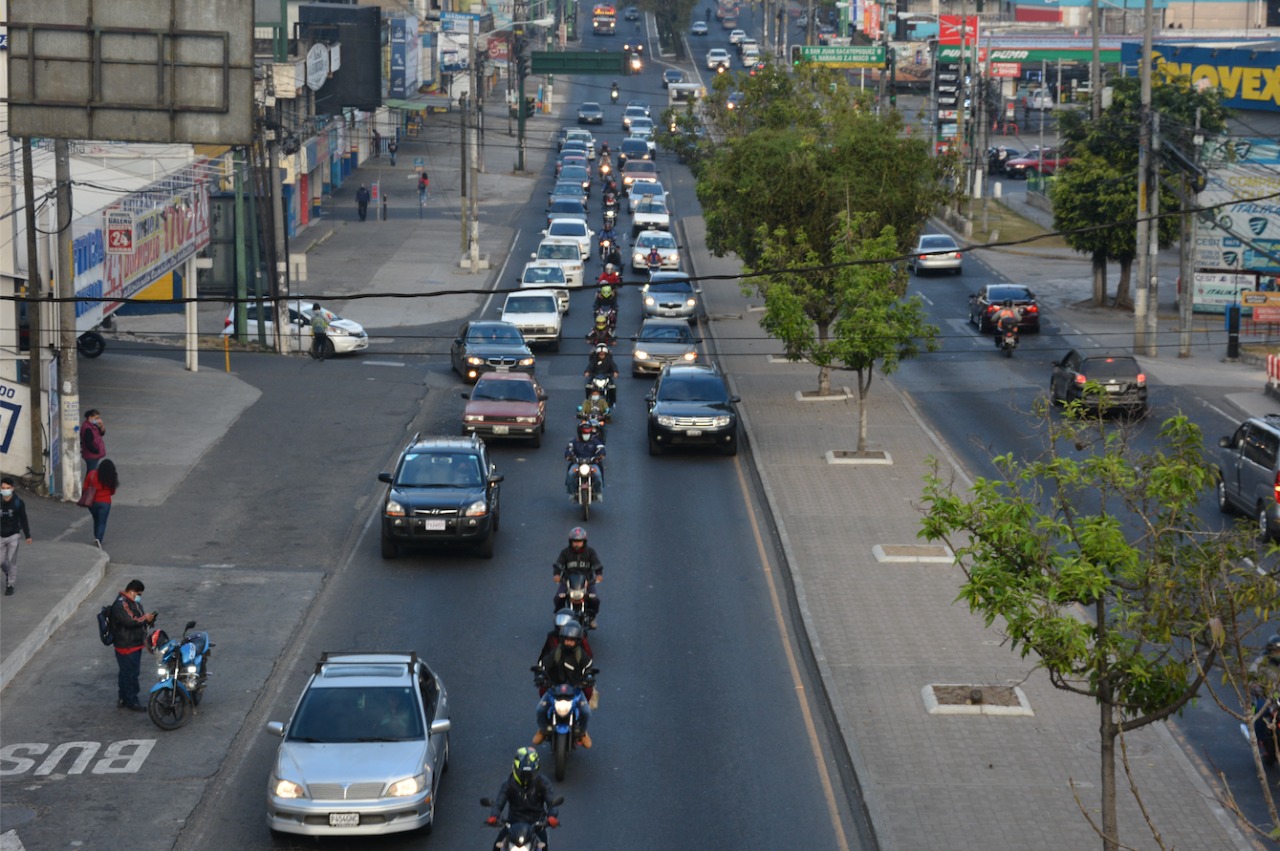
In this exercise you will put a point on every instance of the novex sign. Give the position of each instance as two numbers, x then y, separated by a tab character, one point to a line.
1248	78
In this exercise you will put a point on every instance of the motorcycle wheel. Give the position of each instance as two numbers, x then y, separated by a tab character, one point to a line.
169	709
560	749
1008	351
584	498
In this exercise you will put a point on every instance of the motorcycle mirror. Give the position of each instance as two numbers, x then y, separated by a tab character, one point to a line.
190	625
486	802
555	803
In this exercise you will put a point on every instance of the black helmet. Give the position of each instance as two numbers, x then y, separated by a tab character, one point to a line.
571	630
526	766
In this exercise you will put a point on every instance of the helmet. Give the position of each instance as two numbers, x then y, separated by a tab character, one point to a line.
601	321
526	766
564	616
585	430
577	533
602	349
571	630
157	639
606	290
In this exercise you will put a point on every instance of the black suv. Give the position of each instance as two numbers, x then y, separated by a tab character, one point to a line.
690	404
1249	473
444	491
1118	378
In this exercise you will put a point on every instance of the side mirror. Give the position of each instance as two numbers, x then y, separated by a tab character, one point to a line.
697	340
494	478
276	728
735	399
1224	442
384	477
533	256
542	396
441	725
190	625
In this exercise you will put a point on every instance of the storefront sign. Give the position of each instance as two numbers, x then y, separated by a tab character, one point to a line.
1248	78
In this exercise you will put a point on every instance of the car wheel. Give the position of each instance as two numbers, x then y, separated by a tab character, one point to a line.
536	440
1224	503
732	448
1264	527
655	448
1054	398
389	547
444	766
485	548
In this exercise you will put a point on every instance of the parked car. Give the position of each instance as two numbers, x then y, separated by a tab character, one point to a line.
1248	472
660	239
935	252
660	342
343	337
364	750
1092	378
984	304
717	56
1049	163
1038	99
575	229
506	404
690	404
548	274
698	28
444	490
590	113
536	314
566	253
489	346
672	295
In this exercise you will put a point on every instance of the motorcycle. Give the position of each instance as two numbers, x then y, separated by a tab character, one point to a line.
611	217
562	715
606	247
577	590
610	315
598	336
1007	341
605	169
523	836
613	94
183	672
598	418
584	493
605	383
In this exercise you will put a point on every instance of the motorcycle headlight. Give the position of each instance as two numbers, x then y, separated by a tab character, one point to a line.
393	509
584	469
641	354
576	594
193	669
563	707
288	789
406	787
476	509
162	672
526	361
666	422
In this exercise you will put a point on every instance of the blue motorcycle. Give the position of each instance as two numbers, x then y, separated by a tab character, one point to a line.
562	711
183	670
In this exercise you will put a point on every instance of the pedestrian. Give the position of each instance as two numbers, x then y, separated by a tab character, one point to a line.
424	186
362	201
13	528
319	332
99	485
129	622
392	147
377	143
93	446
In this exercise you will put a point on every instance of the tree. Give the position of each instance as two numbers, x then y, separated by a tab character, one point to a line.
1094	522
1100	184
849	315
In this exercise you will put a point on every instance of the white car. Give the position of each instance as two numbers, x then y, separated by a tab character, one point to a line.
737	36
575	229
650	213
698	28
749	50
585	136
344	336
537	314
642	187
667	249
547	274
717	56
631	114
566	254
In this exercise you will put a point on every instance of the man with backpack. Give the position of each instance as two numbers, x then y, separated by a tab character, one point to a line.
129	624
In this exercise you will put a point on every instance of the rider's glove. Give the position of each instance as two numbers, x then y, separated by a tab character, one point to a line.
552	821
491	820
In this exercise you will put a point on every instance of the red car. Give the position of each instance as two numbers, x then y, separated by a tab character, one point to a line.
1033	161
506	404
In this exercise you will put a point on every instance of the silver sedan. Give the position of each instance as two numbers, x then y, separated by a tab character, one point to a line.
660	342
936	252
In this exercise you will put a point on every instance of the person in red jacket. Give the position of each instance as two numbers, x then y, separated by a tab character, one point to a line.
93	446
104	482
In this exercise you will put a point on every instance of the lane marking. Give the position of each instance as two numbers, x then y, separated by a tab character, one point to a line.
828	789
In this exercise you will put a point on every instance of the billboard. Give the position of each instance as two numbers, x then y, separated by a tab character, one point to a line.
1248	77
1242	234
357	84
404	78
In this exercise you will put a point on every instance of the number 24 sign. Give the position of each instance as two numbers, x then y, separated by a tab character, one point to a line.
119	232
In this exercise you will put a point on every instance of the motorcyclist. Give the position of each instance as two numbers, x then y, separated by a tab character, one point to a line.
563	616
595	407
1006	320
578	557
585	447
1264	675
613	92
606	233
654	259
601	363
610	193
527	795
601	334
607	296
565	664
604	151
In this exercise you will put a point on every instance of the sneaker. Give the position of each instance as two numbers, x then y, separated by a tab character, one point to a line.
539	737
584	740
8	590
135	707
97	543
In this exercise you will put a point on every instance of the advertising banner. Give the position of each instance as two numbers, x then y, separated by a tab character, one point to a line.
1249	78
1213	291
950	30
1243	187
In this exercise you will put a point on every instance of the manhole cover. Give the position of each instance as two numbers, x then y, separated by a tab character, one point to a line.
974	699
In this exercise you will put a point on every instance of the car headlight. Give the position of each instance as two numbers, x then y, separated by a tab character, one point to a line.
564	707
472	360
666	422
690	355
408	786
288	789
393	509
649	302
526	361
675	256
473	418
689	302
641	354
526	419
479	508
719	422
336	332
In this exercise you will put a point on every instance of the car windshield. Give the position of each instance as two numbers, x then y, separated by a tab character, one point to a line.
998	294
692	388
650	206
670	287
504	391
373	714
439	471
641	167
641	124
937	243
544	274
559	252
494	334
531	304
661	240
634	146
666	334
1110	367
567	205
573	172
590	106
574	228
636	112
568	189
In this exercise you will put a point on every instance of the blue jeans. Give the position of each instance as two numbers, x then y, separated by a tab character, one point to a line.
130	665
91	463
571	479
100	510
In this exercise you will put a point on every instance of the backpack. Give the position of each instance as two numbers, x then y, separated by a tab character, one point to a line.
104	626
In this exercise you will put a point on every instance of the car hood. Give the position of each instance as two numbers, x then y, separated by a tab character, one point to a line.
659	347
490	350
351	762
502	409
692	409
354	328
438	496
518	319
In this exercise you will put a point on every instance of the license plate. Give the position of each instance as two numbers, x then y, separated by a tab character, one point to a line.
501	429
1113	388
344	819
435	525
694	432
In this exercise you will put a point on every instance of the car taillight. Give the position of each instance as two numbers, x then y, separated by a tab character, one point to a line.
1275	489
991	308
1030	308
1080	379
1142	380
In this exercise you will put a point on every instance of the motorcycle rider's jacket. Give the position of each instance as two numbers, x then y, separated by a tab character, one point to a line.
595	407
1007	319
587	450
1265	676
128	622
564	665
528	804
584	560
601	365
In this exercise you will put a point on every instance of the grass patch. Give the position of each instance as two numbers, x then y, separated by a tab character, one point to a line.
1009	226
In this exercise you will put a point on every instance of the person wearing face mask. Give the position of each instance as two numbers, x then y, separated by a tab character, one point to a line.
129	622
93	445
13	528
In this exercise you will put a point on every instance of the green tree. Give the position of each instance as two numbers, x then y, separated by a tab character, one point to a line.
846	316
1100	184
1096	523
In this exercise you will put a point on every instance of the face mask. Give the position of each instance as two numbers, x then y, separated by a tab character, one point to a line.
6	492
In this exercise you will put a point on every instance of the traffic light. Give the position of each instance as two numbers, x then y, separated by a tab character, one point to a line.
523	66
893	99
530	105
797	55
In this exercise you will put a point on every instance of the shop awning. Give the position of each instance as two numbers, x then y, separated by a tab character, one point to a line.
419	103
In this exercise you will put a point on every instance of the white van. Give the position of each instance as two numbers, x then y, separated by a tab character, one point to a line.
684	93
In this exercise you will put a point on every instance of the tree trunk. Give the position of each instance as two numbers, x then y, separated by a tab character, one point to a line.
1108	729
863	387
1099	279
1123	299
824	381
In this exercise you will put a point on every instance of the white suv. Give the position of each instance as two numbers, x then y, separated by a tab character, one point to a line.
563	252
537	314
717	56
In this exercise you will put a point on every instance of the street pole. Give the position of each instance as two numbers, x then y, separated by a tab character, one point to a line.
1142	255
463	112
1190	200
35	307
68	372
1153	240
884	40
962	148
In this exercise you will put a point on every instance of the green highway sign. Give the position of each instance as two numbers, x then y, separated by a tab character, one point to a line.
578	62
844	56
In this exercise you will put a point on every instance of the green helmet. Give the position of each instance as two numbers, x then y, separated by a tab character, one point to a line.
526	766
606	291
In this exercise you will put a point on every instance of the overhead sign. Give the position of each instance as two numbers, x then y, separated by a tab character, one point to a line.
317	66
119	227
1248	78
1066	53
844	56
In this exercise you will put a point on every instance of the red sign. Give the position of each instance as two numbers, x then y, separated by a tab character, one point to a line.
119	231
949	29
1012	70
871	21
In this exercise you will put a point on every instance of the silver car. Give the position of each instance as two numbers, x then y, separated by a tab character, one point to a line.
671	295
660	342
364	749
934	252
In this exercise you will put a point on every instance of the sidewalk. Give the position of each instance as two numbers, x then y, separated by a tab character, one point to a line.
881	629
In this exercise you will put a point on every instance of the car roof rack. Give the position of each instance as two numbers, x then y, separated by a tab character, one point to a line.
331	656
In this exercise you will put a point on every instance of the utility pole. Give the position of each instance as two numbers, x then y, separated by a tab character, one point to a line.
520	13
68	372
1153	240
463	112
962	148
884	42
1190	199
474	217
1141	292
35	297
